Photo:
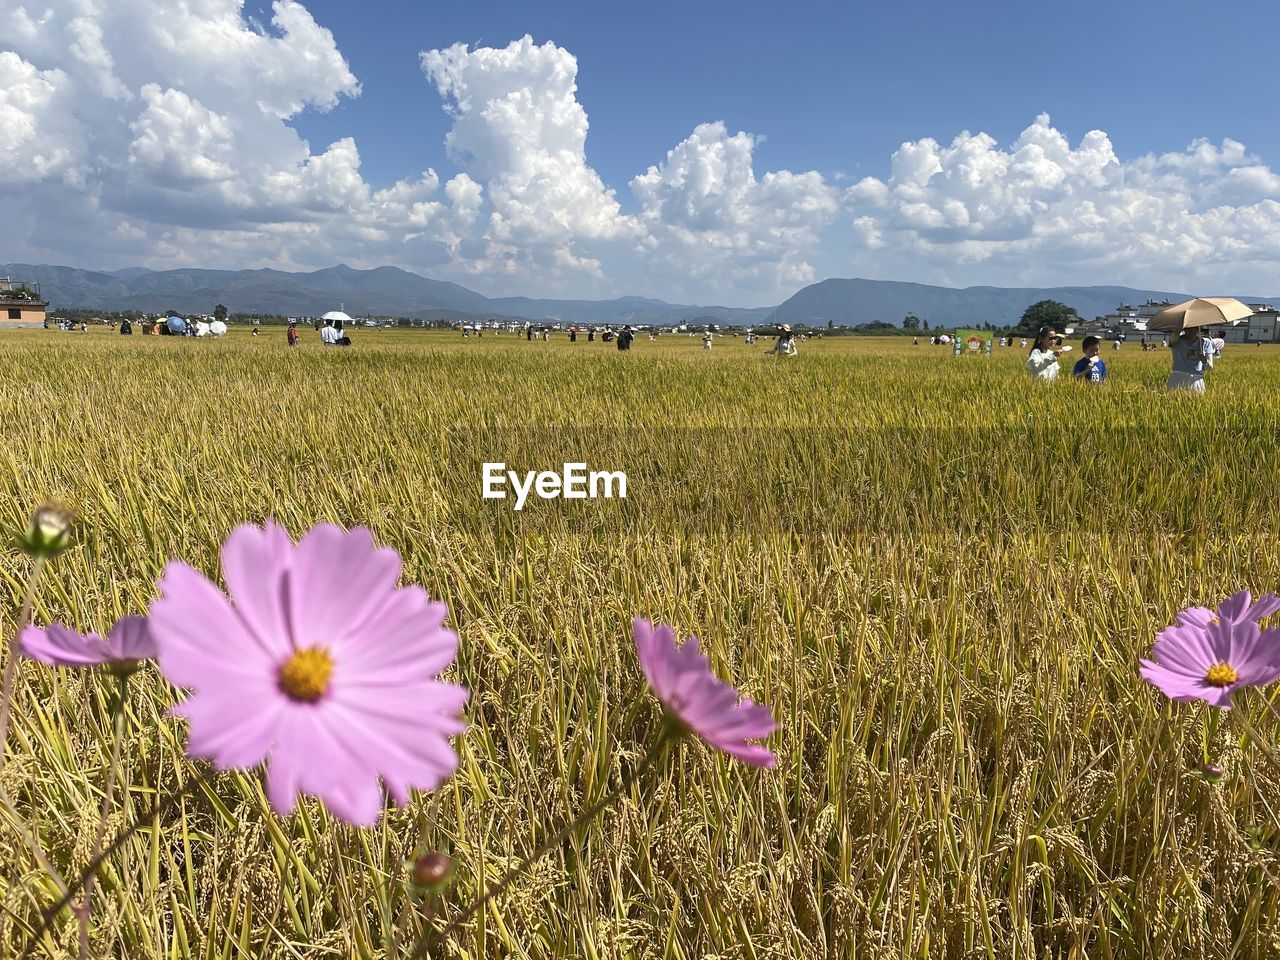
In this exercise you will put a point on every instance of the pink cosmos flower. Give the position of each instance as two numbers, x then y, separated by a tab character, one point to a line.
1237	608
316	664
127	642
683	681
1208	655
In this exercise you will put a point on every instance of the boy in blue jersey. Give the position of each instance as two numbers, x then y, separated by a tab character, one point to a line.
1090	368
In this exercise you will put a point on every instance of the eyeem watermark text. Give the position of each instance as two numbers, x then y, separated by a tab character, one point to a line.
576	482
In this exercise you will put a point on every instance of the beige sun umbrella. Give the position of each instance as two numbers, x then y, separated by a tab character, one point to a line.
1200	312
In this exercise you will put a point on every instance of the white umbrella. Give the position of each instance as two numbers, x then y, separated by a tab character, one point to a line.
217	328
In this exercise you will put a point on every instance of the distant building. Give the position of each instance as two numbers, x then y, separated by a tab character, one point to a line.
20	304
1262	327
1125	320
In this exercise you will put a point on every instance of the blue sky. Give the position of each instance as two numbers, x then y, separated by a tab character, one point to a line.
692	151
834	87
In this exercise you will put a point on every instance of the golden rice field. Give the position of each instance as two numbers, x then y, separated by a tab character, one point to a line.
940	576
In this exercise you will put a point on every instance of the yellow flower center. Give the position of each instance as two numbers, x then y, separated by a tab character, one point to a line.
305	675
1220	675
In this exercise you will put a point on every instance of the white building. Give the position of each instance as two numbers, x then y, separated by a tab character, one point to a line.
1262	327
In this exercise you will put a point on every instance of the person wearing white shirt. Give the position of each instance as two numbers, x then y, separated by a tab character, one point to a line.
328	334
786	343
1042	362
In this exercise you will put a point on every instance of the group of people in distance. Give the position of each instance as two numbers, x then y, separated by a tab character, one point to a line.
1193	354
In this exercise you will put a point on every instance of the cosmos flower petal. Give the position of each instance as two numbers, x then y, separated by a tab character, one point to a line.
1188	645
681	678
651	645
255	562
284	770
1219	696
1264	606
753	754
413	640
1196	617
750	722
1235	606
199	637
224	731
409	756
60	646
130	639
1170	683
336	579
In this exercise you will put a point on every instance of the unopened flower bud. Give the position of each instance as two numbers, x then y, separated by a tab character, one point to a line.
124	668
432	871
1211	772
49	532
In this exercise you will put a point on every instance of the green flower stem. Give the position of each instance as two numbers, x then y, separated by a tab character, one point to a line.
668	734
6	699
158	808
86	903
11	664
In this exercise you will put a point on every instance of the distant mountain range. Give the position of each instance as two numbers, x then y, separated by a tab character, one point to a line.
390	291
386	291
866	301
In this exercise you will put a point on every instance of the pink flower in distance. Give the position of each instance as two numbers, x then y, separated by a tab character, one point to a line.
127	642
1208	655
706	705
316	664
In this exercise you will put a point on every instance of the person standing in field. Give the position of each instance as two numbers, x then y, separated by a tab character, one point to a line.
328	335
1090	368
292	334
785	345
706	340
1042	361
1191	354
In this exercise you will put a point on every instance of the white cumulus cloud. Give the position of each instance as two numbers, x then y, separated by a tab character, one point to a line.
160	134
1041	210
519	128
710	217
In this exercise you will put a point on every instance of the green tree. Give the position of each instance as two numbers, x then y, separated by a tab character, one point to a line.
220	313
910	322
1046	313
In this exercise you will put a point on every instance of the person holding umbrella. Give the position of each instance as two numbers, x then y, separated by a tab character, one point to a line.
1193	352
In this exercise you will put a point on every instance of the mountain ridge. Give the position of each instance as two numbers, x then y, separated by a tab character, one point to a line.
393	291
